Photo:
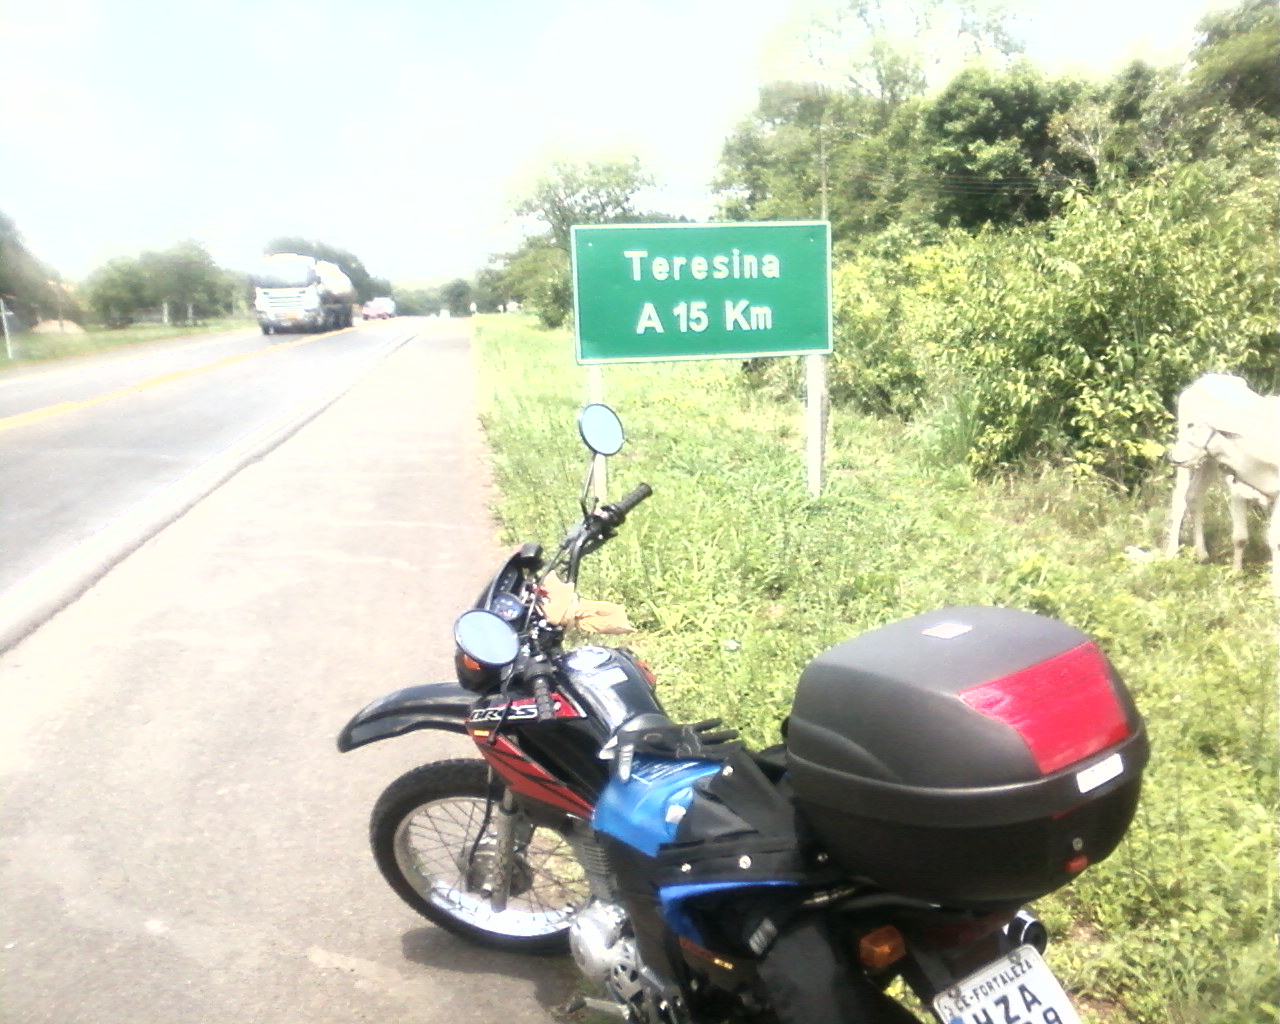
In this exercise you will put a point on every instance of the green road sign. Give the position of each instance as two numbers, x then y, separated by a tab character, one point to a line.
650	292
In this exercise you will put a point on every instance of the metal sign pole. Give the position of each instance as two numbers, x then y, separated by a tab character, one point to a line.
815	376
595	393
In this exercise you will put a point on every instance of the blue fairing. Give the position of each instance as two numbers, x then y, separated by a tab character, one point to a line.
645	811
674	897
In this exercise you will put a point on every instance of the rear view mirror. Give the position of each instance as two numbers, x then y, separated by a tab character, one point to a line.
601	429
486	638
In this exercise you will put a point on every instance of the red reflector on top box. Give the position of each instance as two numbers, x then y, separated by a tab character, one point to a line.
1065	708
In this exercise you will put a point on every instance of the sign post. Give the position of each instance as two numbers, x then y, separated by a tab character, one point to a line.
659	292
815	399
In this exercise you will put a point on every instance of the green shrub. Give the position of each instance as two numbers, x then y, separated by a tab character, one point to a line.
1071	340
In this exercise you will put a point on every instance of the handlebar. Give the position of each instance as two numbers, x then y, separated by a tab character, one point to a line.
610	516
631	500
595	528
542	698
533	667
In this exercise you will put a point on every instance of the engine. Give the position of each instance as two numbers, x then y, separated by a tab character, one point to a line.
605	950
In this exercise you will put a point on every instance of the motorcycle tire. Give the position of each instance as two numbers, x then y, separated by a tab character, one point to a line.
426	833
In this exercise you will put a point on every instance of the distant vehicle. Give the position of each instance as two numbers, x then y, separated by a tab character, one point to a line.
382	308
294	292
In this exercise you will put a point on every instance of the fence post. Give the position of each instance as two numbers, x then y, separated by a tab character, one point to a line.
8	342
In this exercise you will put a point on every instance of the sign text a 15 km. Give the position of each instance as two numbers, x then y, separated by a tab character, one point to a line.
650	292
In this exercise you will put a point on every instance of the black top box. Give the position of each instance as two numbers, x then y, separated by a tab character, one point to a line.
974	756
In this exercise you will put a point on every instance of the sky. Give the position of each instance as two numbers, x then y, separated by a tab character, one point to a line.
404	130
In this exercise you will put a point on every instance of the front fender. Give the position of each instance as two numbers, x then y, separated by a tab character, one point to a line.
433	706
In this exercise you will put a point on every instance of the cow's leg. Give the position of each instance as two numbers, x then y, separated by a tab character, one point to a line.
1239	506
1273	544
1188	497
1182	487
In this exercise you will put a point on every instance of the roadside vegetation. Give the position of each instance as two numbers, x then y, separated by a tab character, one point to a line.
735	578
156	294
30	347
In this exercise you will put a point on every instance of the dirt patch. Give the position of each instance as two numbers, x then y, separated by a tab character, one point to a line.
57	327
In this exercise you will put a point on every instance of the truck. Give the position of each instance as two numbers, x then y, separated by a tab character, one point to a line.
382	307
301	293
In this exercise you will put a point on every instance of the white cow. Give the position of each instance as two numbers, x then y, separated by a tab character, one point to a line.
1224	426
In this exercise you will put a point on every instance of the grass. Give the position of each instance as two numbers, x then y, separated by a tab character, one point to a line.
29	347
736	578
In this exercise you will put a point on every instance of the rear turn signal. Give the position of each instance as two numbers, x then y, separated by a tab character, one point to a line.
881	947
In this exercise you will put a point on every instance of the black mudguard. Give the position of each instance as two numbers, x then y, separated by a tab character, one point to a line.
442	706
807	978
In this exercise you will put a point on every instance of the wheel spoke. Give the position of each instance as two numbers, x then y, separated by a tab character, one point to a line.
434	846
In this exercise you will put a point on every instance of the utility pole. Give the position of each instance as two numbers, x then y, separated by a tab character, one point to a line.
815	365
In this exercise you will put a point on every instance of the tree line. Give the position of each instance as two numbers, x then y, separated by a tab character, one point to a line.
1027	266
184	283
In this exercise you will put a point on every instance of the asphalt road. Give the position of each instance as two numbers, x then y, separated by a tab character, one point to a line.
87	445
182	843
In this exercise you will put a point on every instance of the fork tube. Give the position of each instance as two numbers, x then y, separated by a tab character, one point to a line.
504	853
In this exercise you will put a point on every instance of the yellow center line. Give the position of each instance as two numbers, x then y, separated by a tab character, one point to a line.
48	411
75	366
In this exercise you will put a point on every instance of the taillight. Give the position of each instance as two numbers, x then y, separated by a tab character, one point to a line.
881	947
1065	708
943	933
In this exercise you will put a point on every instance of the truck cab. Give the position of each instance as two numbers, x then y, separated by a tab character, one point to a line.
296	292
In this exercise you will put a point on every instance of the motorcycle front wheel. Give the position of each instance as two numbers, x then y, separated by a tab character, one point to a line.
434	838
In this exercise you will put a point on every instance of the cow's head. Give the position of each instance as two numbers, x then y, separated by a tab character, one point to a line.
1192	446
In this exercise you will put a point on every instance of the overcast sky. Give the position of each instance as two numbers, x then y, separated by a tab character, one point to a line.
401	130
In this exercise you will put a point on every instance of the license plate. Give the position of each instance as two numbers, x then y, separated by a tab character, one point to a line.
1016	989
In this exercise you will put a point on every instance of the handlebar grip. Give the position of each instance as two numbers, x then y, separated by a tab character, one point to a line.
542	699
633	499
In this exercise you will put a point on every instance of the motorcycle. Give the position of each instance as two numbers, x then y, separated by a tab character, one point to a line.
935	775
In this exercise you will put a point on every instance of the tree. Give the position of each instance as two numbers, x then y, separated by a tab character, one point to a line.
778	164
491	291
119	290
1238	58
537	275
569	194
30	289
185	278
850	149
417	301
994	157
584	193
456	296
1109	128
887	51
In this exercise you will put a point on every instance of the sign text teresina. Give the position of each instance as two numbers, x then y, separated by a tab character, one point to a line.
646	292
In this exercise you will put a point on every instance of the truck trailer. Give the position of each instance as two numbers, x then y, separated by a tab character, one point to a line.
301	293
